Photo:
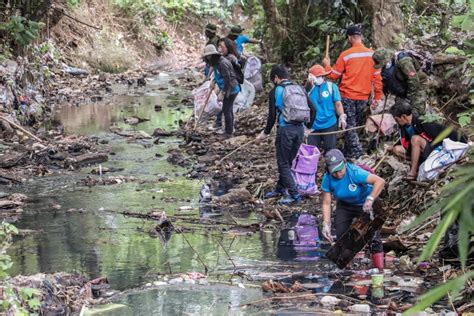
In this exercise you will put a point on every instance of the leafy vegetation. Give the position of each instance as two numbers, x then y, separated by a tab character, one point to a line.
14	301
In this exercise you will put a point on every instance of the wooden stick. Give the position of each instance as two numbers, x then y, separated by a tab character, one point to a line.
381	160
206	269
211	89
337	132
381	121
74	19
327	46
20	128
237	149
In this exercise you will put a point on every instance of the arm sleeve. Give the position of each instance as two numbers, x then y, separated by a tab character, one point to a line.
225	71
325	183
413	81
360	175
271	112
337	70
378	87
312	110
245	39
336	96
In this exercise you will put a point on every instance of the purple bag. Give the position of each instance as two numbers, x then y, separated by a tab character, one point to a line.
304	169
306	231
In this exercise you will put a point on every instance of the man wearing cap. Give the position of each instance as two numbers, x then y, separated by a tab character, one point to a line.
355	67
226	80
327	101
355	191
401	76
212	37
235	34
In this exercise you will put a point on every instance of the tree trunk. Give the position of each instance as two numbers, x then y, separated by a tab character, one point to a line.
387	21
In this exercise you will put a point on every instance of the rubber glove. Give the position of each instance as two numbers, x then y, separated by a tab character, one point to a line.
327	231
368	205
342	121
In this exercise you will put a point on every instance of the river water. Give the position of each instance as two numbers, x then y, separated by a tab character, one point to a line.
78	229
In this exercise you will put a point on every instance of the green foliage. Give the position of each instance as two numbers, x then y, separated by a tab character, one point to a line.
465	118
455	204
162	40
22	30
454	286
23	301
73	3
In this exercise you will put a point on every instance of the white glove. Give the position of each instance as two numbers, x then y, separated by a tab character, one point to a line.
342	121
262	135
368	205
327	231
307	131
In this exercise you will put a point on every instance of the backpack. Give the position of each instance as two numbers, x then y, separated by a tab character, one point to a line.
239	75
295	104
423	60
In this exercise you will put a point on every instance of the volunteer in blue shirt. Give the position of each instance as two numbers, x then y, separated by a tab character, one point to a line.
240	39
327	100
288	138
355	190
226	80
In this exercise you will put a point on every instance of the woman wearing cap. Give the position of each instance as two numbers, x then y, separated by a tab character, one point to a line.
226	80
355	190
327	100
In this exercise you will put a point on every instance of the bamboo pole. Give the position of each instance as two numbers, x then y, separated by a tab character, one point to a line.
237	149
211	89
20	128
328	38
337	132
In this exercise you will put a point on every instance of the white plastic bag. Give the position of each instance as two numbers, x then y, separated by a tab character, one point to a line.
213	105
253	73
245	97
441	158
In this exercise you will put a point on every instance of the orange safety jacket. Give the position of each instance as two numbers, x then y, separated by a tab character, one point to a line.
356	67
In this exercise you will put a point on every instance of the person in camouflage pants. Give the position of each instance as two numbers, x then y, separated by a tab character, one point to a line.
402	77
354	109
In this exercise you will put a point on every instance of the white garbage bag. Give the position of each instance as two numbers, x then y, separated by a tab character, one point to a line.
441	158
213	105
245	97
253	72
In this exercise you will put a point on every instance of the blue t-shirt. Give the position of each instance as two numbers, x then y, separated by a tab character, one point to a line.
220	82
410	131
240	41
324	101
352	188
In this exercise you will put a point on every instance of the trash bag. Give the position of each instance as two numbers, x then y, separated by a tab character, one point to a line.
213	105
441	158
300	240
245	97
386	125
304	169
253	72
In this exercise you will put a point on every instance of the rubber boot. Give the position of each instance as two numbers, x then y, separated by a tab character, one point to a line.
378	261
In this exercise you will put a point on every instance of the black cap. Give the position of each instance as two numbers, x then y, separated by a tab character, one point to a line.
354	30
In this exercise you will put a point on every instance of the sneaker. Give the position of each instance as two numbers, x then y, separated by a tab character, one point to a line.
224	136
275	193
290	199
220	132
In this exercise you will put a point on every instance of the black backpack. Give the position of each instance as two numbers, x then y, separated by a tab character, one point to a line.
238	72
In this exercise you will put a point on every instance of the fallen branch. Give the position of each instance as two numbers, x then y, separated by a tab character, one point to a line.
20	128
337	132
237	149
74	19
206	269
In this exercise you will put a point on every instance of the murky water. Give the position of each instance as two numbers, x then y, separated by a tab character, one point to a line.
87	235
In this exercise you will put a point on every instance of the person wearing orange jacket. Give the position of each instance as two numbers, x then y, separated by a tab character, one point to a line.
355	68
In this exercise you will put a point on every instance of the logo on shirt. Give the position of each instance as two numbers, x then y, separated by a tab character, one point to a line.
352	187
325	94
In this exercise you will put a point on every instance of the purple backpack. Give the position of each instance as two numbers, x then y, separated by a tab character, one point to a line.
304	169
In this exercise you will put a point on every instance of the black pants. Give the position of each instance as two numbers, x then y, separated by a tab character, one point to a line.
328	141
228	110
345	214
288	141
